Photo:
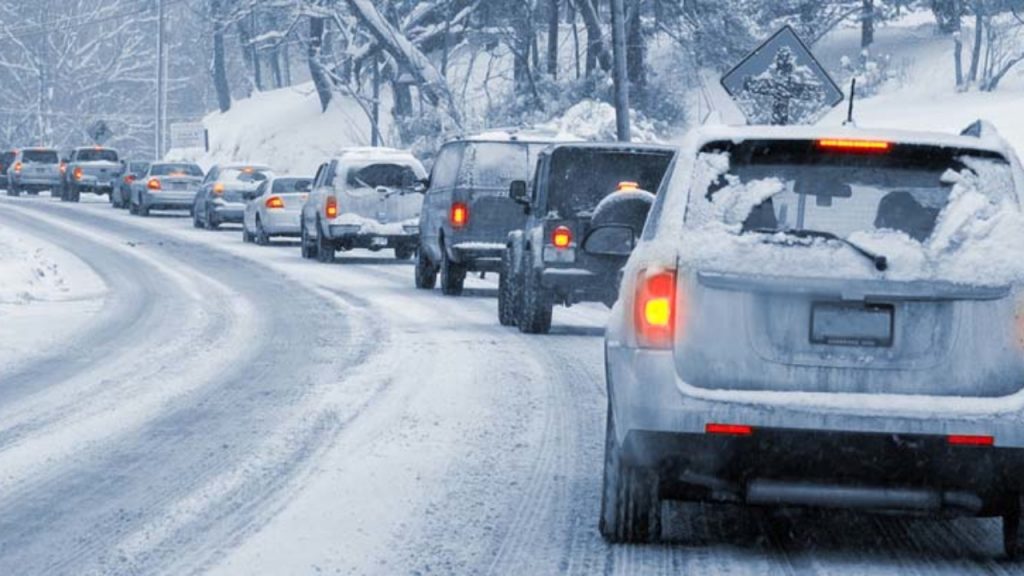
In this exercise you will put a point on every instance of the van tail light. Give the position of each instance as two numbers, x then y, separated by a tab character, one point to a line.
728	429
128	178
459	214
17	167
561	237
275	202
654	311
78	173
153	184
218	189
331	208
970	440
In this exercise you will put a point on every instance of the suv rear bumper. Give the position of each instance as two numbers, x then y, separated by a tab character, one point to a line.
581	285
478	256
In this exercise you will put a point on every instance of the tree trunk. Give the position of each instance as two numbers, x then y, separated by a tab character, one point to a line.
958	44
597	53
867	24
636	49
316	66
619	73
220	74
979	24
553	38
275	67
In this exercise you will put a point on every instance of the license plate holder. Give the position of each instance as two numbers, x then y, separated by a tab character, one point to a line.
379	241
852	324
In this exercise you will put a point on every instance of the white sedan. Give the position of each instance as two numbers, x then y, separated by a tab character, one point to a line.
275	208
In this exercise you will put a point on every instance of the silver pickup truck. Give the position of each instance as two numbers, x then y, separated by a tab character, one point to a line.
91	169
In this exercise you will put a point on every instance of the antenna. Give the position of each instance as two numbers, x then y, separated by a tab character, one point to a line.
849	111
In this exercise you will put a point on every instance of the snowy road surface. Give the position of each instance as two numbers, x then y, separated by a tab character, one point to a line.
237	410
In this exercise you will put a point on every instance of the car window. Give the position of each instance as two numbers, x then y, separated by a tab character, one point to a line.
493	165
383	175
292	185
579	178
176	170
96	155
446	167
247	175
138	167
40	156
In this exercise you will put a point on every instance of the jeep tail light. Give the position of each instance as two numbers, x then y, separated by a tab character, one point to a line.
654	311
276	202
153	184
218	189
561	237
77	173
728	429
459	215
17	167
331	208
970	440
850	145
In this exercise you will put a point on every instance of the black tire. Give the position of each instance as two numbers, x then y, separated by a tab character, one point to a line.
426	272
630	504
133	208
247	237
196	222
404	251
1011	528
261	237
63	192
32	192
324	248
453	275
143	210
211	222
507	290
12	190
74	194
308	246
535	304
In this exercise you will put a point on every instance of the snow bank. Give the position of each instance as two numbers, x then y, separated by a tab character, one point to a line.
595	121
31	270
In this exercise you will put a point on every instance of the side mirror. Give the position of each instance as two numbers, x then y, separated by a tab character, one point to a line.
421	186
518	193
610	240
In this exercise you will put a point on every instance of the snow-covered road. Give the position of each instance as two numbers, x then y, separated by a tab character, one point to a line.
238	410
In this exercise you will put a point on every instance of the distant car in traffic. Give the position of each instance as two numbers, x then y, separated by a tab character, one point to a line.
365	198
165	186
33	170
130	172
822	317
467	213
221	196
275	209
587	204
92	169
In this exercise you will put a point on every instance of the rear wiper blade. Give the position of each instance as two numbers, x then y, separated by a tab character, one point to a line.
881	262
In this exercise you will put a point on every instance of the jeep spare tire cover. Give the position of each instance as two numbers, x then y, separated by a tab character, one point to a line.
628	208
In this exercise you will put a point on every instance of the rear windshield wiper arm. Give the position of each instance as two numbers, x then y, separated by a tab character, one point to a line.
881	262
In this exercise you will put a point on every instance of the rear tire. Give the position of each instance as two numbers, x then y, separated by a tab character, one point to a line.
324	248
308	247
1011	528
426	272
506	290
246	235
630	503
74	194
261	237
536	304
211	223
453	276
143	210
196	222
404	252
12	190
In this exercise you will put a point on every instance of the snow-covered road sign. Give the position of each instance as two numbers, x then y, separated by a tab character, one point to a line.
189	135
100	132
781	82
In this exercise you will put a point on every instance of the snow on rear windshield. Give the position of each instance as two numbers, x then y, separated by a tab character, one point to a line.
291	185
41	156
247	175
384	175
935	213
492	166
93	155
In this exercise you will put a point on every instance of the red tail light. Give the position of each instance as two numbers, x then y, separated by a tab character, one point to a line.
459	215
654	312
728	429
128	178
218	189
331	208
77	173
848	145
17	167
277	202
969	440
63	168
561	237
153	184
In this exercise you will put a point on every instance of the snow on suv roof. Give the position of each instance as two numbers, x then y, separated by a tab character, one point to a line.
517	135
371	152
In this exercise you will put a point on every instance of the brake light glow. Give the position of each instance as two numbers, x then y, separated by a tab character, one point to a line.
654	312
128	178
850	145
218	189
561	237
970	440
275	202
63	168
728	429
459	214
628	187
153	184
331	208
78	173
17	167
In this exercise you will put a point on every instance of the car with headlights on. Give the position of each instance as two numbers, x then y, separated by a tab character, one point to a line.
165	186
222	195
822	317
275	208
33	170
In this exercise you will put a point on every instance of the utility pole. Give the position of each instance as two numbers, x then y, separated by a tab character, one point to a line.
375	129
619	74
161	71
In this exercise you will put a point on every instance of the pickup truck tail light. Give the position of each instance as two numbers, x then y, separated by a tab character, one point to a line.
78	173
275	202
153	184
655	309
459	215
561	237
17	167
331	207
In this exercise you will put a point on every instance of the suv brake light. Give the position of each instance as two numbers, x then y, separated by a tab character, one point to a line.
654	310
17	167
153	184
331	208
78	173
848	145
561	237
275	202
459	214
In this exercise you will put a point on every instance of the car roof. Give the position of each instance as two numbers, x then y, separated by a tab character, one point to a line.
238	165
623	146
521	135
363	152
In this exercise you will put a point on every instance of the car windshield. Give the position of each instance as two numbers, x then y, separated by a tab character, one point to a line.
384	175
41	156
97	155
176	170
246	175
797	185
292	185
579	177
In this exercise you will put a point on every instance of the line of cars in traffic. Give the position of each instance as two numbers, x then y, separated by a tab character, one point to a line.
820	317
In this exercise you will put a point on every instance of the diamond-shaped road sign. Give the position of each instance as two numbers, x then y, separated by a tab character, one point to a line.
100	132
781	82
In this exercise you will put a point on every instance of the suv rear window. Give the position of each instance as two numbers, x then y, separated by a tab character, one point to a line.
383	175
40	156
798	185
92	155
494	165
579	178
177	170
